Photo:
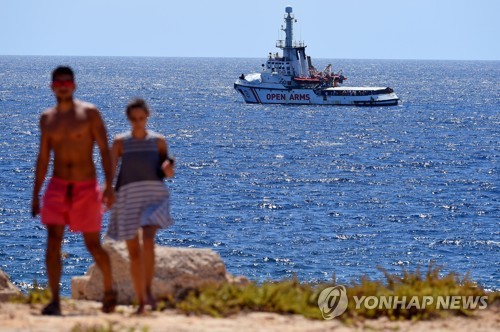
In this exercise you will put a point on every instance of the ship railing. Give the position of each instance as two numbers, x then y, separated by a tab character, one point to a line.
358	92
282	44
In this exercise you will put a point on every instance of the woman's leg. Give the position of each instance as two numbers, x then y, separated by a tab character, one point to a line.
148	239
137	270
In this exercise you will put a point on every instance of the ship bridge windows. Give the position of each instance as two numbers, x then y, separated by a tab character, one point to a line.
279	66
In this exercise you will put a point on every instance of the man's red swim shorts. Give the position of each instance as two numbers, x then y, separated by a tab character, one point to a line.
76	204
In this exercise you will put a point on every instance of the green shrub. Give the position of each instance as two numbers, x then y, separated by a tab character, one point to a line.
36	294
221	300
293	297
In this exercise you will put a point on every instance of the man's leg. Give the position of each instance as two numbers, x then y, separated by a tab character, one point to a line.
55	234
101	258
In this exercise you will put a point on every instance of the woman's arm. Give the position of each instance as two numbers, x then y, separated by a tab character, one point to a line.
167	164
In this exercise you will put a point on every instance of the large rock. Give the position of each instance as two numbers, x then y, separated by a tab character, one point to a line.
7	289
177	270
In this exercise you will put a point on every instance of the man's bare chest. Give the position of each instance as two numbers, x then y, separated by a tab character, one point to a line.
69	128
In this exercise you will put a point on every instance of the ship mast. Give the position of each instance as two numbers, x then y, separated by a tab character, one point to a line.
295	53
288	30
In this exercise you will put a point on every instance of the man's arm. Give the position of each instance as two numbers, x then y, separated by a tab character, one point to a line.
116	153
101	138
42	164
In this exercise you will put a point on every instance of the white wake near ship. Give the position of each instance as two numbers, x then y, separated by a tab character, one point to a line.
291	78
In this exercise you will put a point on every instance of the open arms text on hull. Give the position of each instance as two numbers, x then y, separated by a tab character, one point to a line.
292	79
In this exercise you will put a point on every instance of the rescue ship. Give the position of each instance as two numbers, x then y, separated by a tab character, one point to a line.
291	78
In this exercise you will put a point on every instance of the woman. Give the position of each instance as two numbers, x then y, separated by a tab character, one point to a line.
142	200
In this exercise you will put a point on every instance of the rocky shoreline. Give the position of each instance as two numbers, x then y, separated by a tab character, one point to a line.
179	269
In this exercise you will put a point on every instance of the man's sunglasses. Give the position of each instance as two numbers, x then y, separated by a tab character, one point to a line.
59	84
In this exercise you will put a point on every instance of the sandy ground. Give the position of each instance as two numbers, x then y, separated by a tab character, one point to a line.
85	316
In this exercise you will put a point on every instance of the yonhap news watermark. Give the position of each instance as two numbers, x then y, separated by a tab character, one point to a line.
333	302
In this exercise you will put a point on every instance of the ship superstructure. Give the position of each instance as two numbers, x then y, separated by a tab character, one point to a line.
291	78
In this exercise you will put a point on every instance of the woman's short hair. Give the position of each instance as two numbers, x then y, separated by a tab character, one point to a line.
137	103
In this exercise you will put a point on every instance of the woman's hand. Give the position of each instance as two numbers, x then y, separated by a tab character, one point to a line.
108	196
168	168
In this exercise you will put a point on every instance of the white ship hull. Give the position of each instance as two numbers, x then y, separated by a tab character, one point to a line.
292	79
347	96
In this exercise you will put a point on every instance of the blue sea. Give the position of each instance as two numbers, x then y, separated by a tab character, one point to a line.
319	192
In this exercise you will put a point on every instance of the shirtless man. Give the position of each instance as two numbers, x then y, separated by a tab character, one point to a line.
70	129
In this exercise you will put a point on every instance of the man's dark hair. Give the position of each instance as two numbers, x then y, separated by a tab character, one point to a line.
62	70
137	103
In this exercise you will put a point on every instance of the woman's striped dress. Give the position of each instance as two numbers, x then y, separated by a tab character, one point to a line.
142	199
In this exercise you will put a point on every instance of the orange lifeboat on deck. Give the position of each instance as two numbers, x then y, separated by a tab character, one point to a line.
308	79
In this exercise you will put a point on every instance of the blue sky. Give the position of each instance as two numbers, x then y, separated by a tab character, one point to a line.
350	29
